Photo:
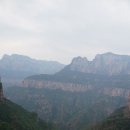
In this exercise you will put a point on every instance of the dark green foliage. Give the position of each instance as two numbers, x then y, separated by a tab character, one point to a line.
119	120
13	117
0	86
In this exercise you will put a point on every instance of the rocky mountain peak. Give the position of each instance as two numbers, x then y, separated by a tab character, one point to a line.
16	57
107	63
79	60
79	64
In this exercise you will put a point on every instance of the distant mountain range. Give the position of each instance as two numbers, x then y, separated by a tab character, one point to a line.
14	68
75	97
105	64
108	73
81	94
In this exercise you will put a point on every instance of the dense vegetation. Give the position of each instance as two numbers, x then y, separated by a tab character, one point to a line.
119	120
13	117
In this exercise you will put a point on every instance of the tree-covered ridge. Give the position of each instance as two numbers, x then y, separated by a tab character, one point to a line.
14	117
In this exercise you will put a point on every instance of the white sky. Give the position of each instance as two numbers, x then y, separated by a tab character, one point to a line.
63	29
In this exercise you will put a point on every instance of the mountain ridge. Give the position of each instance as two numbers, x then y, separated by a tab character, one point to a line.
74	77
106	64
13	68
60	97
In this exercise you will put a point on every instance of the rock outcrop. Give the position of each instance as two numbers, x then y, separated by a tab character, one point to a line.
1	92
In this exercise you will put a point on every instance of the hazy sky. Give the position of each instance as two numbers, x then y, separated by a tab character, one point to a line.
62	29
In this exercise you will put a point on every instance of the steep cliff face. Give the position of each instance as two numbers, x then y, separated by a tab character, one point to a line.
72	87
72	81
107	63
57	85
1	92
